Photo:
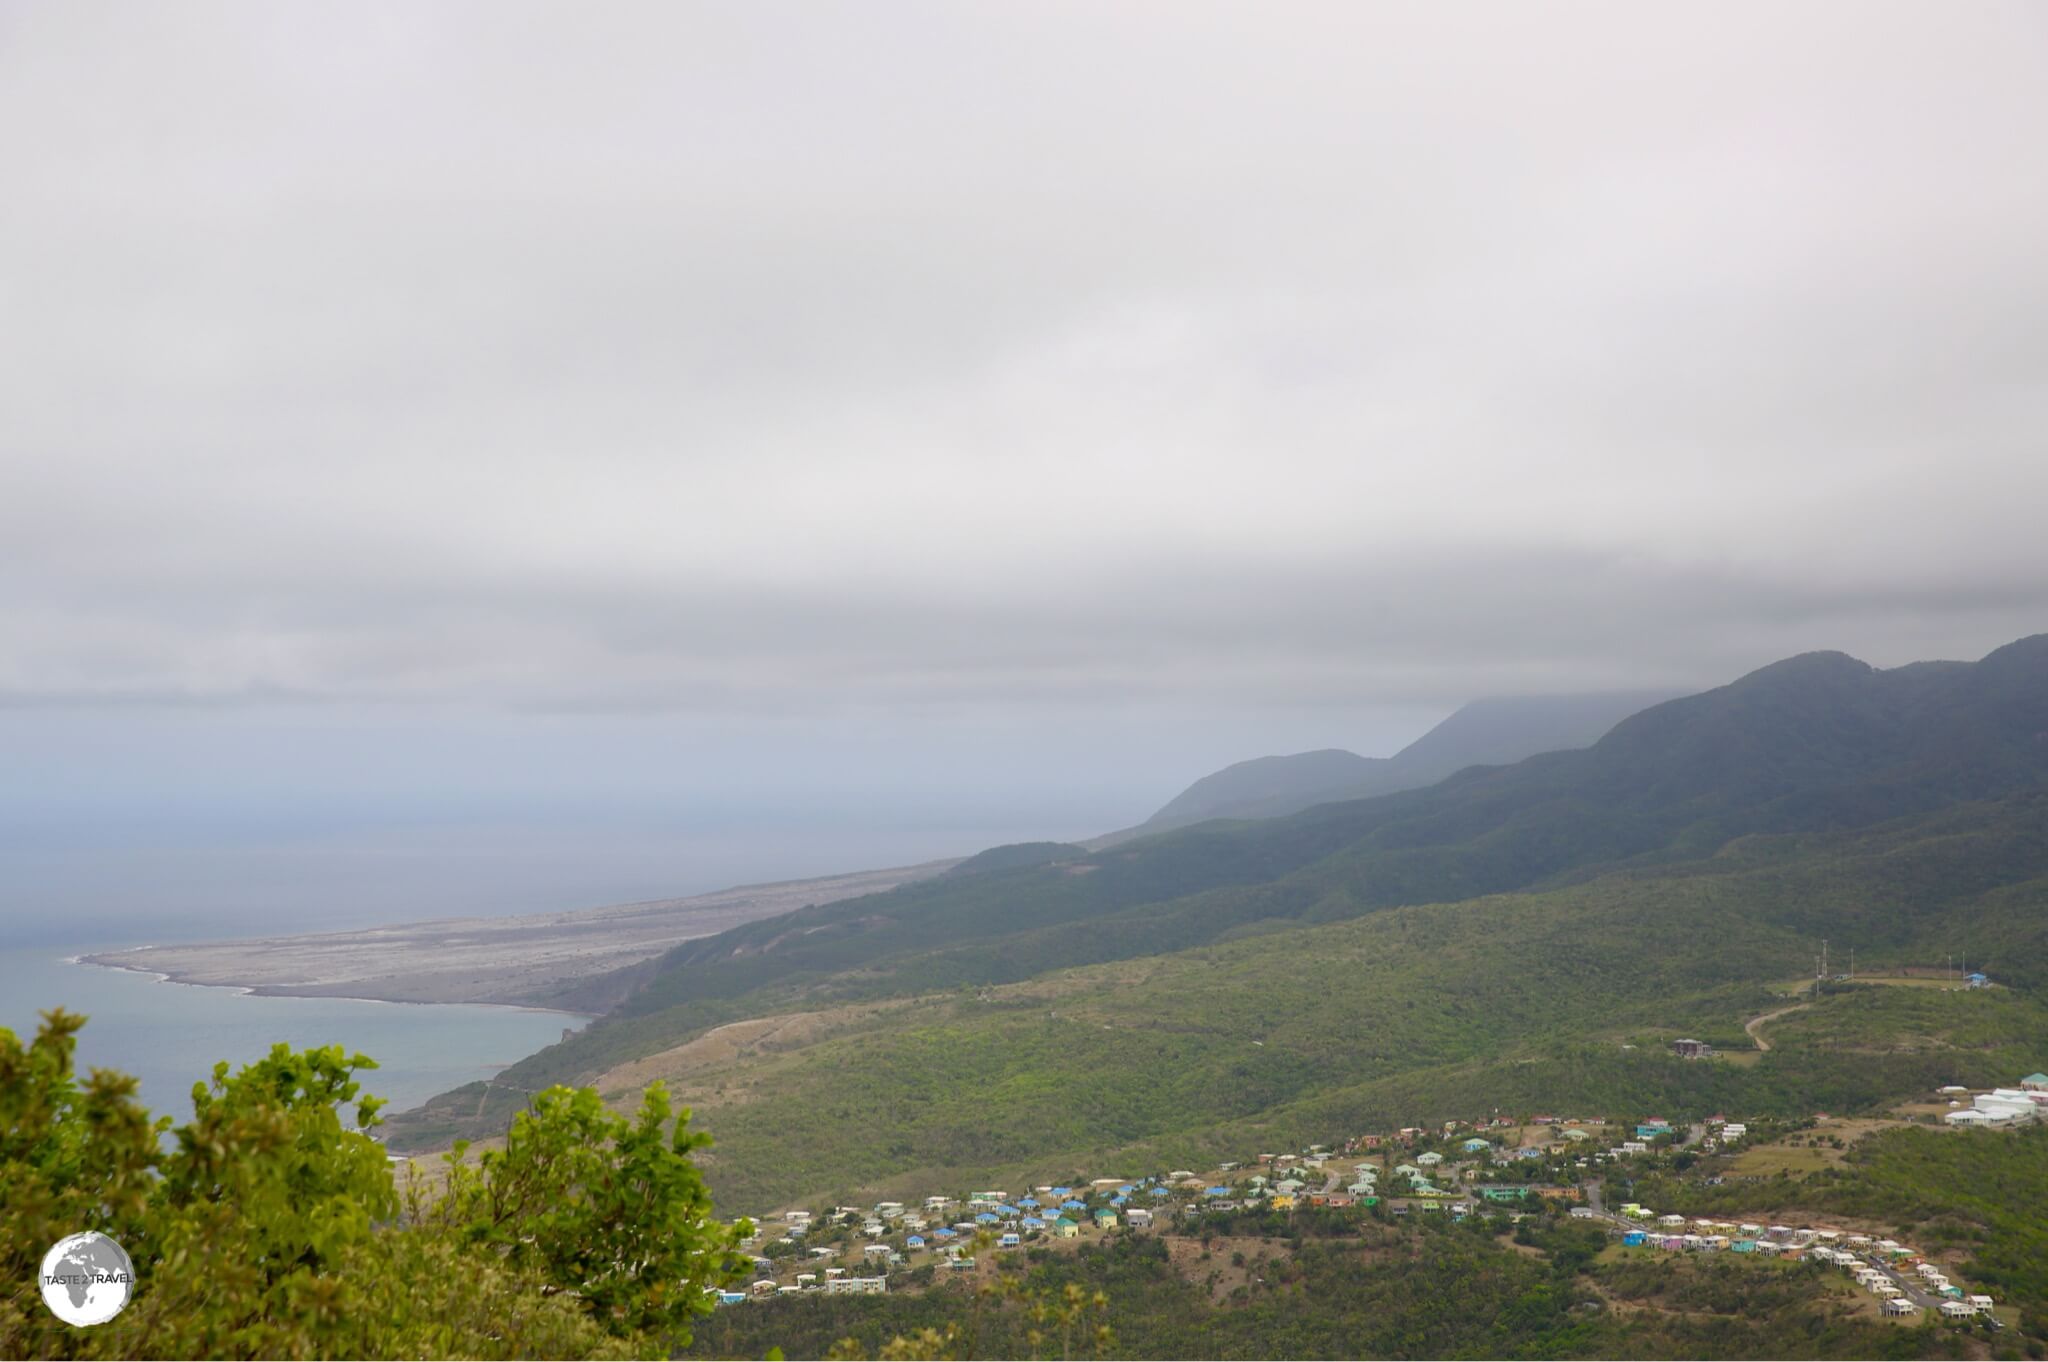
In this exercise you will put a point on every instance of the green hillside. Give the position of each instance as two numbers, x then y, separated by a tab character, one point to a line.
1492	732
1424	1013
1501	939
1368	1289
1817	742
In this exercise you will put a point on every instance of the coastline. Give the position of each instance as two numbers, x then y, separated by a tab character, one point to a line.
93	961
577	964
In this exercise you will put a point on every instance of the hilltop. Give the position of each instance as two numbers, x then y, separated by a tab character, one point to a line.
1492	732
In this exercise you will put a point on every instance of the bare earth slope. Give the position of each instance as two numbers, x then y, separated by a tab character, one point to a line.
543	960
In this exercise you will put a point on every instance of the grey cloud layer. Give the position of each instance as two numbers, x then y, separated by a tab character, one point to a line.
751	356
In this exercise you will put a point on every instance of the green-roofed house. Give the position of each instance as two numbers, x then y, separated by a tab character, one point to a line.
2036	1082
1065	1228
1105	1220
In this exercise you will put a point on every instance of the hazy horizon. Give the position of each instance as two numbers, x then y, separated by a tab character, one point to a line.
484	453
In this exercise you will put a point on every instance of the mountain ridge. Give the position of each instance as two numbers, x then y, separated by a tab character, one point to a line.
1492	731
1812	746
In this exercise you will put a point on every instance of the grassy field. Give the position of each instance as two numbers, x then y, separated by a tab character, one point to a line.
1828	1144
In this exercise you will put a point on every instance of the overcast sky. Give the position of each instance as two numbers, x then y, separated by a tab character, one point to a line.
1034	393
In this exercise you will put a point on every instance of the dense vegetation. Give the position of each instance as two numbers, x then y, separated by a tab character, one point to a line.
1433	1289
269	1228
1977	1191
1816	747
1519	1003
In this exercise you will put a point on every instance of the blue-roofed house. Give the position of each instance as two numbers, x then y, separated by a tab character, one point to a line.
1033	1223
914	1241
1070	1204
943	1233
1028	1202
985	1218
1161	1192
1216	1192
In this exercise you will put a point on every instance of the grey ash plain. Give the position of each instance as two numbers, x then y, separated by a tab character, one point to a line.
570	961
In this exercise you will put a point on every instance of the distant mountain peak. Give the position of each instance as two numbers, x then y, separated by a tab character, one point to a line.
1806	668
1494	731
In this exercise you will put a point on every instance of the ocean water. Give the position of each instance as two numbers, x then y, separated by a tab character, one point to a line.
81	886
170	1035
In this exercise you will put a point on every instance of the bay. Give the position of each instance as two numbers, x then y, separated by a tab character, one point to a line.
170	1035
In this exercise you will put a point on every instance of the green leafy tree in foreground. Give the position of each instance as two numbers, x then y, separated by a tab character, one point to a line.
269	1228
609	1208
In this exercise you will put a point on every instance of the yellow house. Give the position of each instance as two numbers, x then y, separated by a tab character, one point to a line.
1283	1201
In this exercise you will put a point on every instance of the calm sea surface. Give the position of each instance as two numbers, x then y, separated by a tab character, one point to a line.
171	1035
77	887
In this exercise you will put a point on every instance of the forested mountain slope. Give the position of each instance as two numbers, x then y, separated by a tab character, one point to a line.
1493	732
1710	836
1813	743
1522	1002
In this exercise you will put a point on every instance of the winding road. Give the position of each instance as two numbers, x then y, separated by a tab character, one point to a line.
1750	1026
